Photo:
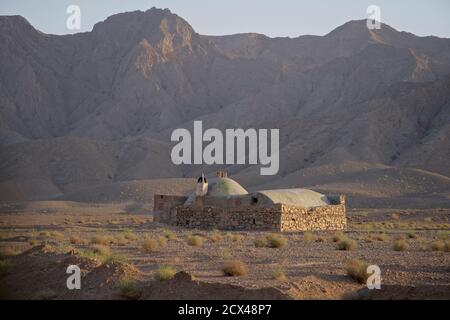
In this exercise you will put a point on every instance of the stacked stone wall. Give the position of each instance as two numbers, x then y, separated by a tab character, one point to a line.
163	207
332	217
246	218
227	216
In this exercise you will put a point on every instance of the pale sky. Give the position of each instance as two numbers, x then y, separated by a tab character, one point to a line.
274	18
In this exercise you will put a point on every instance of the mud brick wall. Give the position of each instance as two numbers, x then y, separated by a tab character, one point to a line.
331	217
246	218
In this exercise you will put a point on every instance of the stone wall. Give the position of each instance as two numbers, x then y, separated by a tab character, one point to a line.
246	218
331	217
227	215
163	207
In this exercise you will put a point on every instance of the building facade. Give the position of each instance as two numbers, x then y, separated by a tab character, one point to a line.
225	205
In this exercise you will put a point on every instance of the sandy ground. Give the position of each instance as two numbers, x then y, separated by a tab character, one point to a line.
60	233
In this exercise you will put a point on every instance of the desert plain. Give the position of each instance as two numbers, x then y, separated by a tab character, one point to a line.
123	254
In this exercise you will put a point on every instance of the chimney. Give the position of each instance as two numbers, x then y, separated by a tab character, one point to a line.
222	174
202	186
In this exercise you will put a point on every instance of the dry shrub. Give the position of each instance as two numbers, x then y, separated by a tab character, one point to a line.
382	237
45	234
225	254
169	234
412	235
112	221
98	239
75	240
236	237
400	245
260	242
56	235
195	241
150	245
234	268
103	254
348	244
320	239
129	288
357	270
162	242
215	236
165	272
64	249
120	240
443	235
276	241
68	220
135	221
443	246
113	258
129	235
101	249
278	274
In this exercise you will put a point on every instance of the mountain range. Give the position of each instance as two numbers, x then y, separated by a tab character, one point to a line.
363	112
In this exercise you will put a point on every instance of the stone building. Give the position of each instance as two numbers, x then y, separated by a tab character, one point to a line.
222	203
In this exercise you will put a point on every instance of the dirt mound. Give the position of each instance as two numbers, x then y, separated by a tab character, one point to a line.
101	282
313	288
393	292
40	273
184	287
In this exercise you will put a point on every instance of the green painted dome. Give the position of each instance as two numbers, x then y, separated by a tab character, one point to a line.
224	187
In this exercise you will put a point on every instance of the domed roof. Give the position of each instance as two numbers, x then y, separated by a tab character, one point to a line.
297	197
224	187
220	187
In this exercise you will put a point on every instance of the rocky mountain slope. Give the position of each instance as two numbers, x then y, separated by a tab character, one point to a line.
91	109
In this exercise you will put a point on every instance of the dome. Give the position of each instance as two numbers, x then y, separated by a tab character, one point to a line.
296	197
224	187
220	187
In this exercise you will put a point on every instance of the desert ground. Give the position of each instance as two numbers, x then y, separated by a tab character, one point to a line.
123	254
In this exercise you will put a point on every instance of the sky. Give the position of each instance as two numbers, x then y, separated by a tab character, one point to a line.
280	18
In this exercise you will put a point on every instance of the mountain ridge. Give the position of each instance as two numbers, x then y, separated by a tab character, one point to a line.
354	94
